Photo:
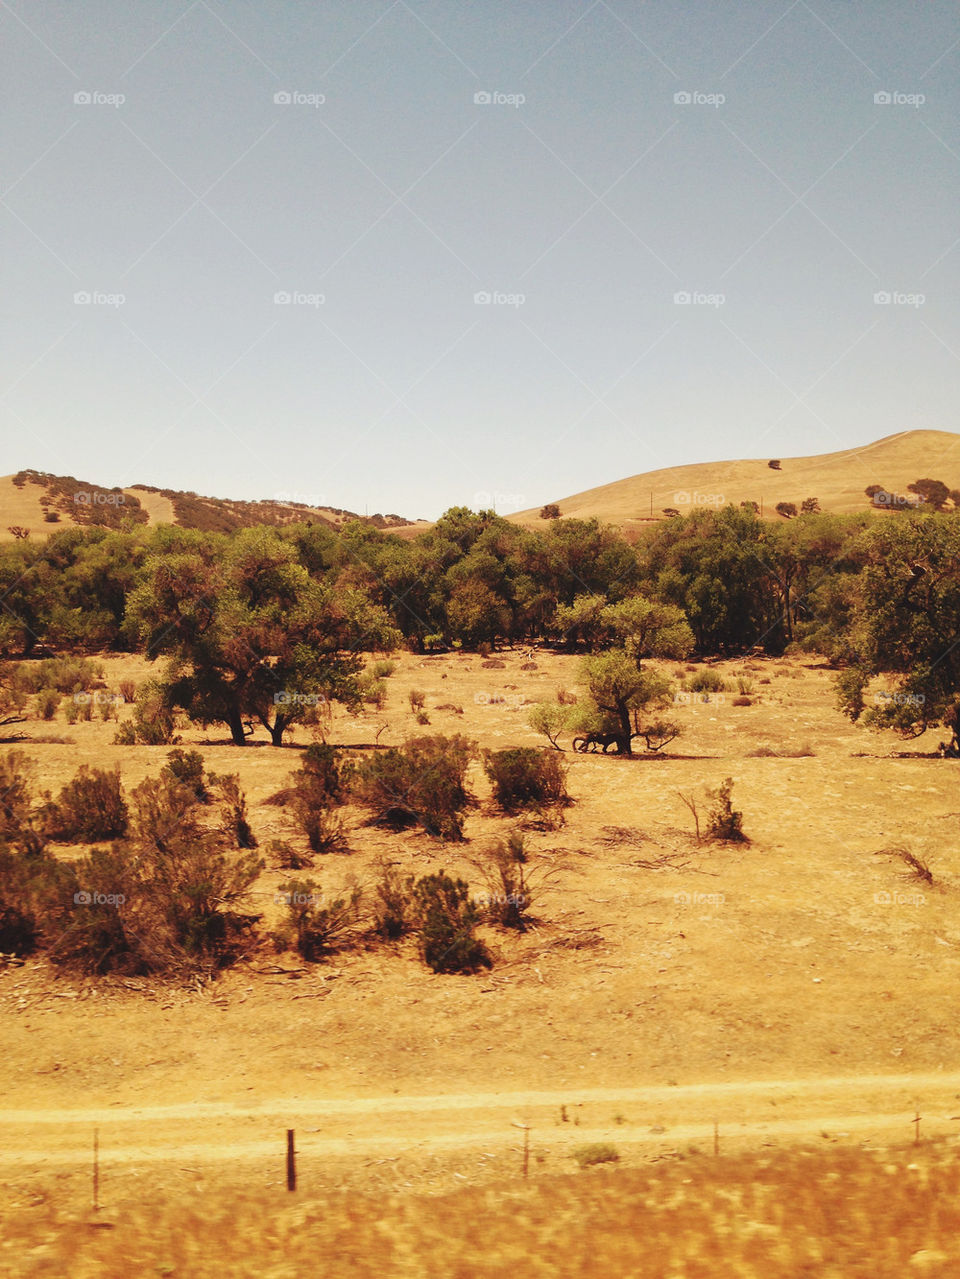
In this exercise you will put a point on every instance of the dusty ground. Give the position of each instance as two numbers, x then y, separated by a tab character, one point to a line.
793	986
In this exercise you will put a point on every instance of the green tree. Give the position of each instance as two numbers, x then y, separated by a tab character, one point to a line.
906	622
251	635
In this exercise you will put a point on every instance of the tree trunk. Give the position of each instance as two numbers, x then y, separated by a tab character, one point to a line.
235	722
625	736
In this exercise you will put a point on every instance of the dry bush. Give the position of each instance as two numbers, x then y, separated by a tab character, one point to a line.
423	782
393	902
89	808
527	777
724	823
317	924
233	809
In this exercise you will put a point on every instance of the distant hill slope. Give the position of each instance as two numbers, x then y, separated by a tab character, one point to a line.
837	480
43	503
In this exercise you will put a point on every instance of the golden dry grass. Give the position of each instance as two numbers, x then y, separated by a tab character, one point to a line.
823	1213
682	978
838	480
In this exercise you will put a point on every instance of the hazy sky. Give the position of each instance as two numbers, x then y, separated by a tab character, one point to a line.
183	164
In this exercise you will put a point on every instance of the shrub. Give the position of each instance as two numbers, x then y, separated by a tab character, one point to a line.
17	826
393	903
164	813
743	701
234	822
598	1153
65	674
549	719
745	686
325	831
508	897
128	690
187	768
317	786
422	718
417	699
286	856
383	669
87	913
705	682
445	920
421	782
48	699
19	928
193	885
526	777
725	823
90	807
373	691
316	927
154	722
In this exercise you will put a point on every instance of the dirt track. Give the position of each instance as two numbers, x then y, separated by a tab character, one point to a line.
748	1113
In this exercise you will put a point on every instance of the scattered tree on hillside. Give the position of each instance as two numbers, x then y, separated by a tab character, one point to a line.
934	492
810	506
550	512
774	464
787	509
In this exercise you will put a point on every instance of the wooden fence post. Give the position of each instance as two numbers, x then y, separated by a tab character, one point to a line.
291	1162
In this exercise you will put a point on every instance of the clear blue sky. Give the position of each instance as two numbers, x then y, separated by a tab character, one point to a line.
583	187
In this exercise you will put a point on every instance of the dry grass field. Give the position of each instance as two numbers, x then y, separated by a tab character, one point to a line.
838	480
792	989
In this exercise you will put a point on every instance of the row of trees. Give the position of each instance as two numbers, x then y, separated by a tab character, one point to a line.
261	626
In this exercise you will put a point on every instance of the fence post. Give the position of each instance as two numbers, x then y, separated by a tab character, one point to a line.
291	1162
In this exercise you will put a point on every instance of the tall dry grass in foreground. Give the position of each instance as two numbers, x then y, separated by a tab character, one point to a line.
833	1214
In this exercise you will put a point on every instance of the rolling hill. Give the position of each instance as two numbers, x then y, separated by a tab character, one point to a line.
837	480
41	502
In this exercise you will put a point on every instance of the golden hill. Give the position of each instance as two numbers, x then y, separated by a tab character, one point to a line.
837	480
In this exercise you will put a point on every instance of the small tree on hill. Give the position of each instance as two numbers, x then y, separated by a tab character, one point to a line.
550	512
787	509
